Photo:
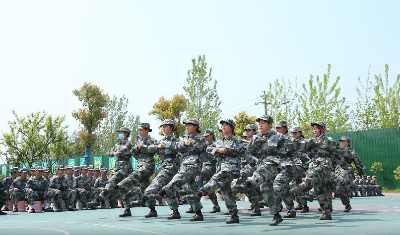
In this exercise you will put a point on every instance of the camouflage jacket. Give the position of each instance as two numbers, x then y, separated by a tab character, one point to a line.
146	153
7	182
356	162
191	155
373	182
168	153
93	179
83	182
300	156
18	183
37	184
100	182
2	188
124	148
60	183
256	145
208	157
235	149
322	148
70	181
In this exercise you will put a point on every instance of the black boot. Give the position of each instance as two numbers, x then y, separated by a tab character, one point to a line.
175	215
276	220
290	214
299	207
152	213
6	209
326	215
127	212
347	208
49	209
15	209
215	209
251	208
197	217
233	220
96	202
2	212
190	210
226	213
256	213
305	209
32	210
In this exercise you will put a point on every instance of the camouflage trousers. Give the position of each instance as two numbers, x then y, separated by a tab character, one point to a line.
69	196
17	196
33	196
239	185
207	173
342	180
3	199
264	176
135	183
165	175
122	170
83	195
298	175
185	178
223	180
318	176
281	187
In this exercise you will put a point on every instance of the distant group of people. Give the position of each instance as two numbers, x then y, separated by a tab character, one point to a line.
272	167
366	186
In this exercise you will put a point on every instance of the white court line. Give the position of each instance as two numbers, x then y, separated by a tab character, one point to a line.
103	225
52	229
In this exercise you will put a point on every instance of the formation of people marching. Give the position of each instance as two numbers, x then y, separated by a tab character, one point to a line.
272	167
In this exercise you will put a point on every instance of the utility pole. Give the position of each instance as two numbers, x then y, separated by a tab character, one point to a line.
264	102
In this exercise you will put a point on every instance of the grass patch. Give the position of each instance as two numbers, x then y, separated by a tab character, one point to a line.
385	190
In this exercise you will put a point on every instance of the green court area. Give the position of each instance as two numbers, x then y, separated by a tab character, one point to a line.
370	215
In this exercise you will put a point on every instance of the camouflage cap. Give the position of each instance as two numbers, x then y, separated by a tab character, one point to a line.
14	170
103	170
318	123
112	171
345	138
374	176
355	175
193	121
97	169
24	170
69	167
282	124
90	168
168	122
228	121
39	168
265	118
34	168
369	176
208	132
60	167
124	129
46	170
295	129
84	167
251	127
77	168
145	125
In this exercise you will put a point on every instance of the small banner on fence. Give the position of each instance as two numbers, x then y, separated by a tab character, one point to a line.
98	161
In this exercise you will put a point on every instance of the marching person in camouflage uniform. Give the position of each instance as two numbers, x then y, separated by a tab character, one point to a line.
83	185
263	147
3	197
123	166
62	191
229	150
247	167
320	168
17	189
139	180
36	189
7	184
192	146
169	166
208	169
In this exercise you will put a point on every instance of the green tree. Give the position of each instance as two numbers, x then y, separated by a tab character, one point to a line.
397	173
171	109
203	101
117	117
321	101
35	137
90	116
376	167
242	119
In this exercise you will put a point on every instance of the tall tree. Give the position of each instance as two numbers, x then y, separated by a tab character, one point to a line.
203	101
34	138
171	109
321	101
242	119
94	102
117	117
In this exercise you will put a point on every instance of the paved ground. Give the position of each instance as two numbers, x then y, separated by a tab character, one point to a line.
370	215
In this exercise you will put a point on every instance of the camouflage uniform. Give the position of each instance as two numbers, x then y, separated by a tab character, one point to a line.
99	184
377	189
3	197
318	175
169	167
39	189
208	169
7	184
190	168
19	195
144	170
230	169
123	167
83	185
62	192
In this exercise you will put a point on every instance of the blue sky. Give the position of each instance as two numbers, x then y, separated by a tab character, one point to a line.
143	49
